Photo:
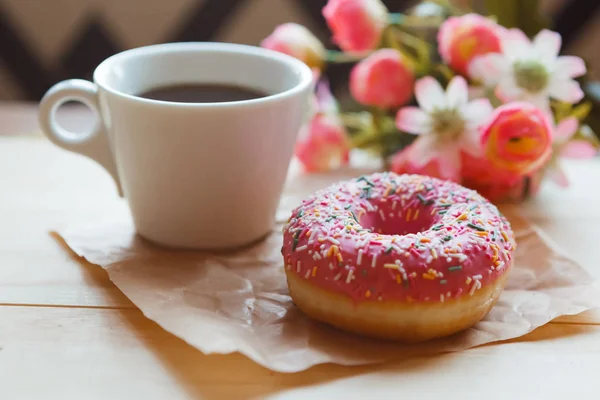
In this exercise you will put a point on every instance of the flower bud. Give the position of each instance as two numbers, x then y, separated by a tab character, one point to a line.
297	41
357	25
383	79
323	144
461	39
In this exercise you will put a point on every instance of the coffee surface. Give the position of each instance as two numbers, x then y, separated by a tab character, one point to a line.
202	93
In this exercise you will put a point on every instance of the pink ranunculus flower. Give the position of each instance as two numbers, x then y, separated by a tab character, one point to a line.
297	41
517	138
530	71
357	25
383	79
461	39
502	191
323	143
491	181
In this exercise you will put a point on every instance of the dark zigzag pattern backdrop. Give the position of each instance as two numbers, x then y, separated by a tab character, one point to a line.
95	43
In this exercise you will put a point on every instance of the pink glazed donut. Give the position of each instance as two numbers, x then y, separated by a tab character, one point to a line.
404	257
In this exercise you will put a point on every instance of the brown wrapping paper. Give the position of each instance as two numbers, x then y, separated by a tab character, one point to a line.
225	303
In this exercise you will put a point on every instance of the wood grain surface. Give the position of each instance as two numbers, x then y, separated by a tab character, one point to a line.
67	333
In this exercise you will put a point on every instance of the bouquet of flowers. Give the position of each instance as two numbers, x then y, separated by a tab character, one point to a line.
444	92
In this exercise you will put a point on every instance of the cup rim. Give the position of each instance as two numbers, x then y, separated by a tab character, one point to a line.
305	81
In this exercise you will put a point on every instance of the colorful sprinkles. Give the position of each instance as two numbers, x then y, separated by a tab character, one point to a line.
421	239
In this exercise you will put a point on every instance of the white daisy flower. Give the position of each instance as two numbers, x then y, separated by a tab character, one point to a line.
446	122
530	71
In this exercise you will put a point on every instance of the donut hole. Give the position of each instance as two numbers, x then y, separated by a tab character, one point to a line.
389	220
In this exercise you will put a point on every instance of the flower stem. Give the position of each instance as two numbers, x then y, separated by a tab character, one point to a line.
390	40
420	46
379	116
339	57
411	21
356	121
445	71
452	8
396	18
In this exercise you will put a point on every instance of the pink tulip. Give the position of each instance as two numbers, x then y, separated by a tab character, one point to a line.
461	39
297	41
357	25
323	143
383	79
517	138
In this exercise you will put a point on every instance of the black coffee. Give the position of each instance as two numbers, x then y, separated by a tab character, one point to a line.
202	93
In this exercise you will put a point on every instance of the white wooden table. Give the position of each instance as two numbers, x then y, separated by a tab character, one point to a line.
67	333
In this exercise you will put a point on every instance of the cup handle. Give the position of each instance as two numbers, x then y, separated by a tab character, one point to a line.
93	144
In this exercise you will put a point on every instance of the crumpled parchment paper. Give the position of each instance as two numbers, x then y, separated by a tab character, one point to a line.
225	303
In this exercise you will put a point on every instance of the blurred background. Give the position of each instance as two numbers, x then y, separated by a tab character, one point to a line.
45	41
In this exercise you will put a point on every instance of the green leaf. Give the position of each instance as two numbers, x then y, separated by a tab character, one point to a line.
561	110
586	133
491	95
333	56
416	51
592	91
445	71
522	14
582	110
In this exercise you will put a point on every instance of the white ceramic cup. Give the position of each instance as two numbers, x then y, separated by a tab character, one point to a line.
195	175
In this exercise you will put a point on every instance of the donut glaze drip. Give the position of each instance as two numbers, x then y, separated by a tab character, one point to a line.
399	238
